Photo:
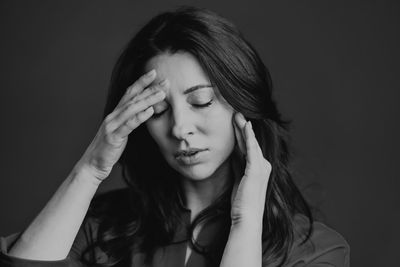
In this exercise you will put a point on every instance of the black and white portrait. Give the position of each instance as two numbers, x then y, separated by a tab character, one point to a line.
212	133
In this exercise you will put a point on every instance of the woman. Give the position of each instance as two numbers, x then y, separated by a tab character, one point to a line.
206	164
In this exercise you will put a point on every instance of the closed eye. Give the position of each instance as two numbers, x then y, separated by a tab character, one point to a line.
157	115
202	105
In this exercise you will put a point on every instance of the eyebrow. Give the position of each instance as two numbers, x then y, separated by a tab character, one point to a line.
196	87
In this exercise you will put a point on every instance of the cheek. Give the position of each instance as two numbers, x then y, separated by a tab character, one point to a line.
220	126
155	129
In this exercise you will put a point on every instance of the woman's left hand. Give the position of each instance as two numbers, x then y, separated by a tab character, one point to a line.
249	192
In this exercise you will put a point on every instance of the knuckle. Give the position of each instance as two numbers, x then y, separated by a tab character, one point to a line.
137	120
130	102
149	100
142	116
153	89
253	145
132	90
108	128
130	108
108	118
109	138
134	109
267	165
157	87
143	81
130	122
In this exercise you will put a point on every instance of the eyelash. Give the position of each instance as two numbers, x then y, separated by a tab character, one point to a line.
155	116
203	105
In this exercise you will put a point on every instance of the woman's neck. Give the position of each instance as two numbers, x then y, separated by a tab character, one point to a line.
200	194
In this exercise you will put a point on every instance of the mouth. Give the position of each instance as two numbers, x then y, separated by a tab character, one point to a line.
190	156
188	152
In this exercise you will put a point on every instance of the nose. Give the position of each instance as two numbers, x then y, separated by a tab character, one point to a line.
182	124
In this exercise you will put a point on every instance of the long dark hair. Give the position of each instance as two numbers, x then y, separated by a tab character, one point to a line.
235	68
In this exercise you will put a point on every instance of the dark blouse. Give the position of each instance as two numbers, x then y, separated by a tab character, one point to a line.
325	248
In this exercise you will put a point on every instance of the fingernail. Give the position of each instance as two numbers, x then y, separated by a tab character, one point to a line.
251	126
151	73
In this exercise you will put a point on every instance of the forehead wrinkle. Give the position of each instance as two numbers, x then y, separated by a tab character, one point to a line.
185	72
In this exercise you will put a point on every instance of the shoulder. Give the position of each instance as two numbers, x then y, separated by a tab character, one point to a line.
325	245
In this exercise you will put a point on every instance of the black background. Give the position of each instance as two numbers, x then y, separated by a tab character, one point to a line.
335	66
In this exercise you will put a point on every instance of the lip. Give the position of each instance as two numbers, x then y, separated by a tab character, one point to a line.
185	152
186	157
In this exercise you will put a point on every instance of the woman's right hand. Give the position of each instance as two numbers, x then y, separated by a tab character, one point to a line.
134	108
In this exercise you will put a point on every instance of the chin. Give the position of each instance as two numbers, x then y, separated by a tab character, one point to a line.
200	172
196	173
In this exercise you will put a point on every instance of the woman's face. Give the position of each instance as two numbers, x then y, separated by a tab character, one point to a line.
193	115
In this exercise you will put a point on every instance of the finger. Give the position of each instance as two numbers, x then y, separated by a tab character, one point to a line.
143	95
131	124
240	122
133	107
239	138
131	118
152	89
251	144
138	86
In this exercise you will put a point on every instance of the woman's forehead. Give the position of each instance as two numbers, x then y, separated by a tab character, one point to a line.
182	70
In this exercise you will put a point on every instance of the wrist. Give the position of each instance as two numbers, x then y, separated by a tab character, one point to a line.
86	174
250	222
244	245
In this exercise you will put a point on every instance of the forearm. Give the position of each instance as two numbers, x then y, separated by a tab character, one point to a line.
244	246
51	234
